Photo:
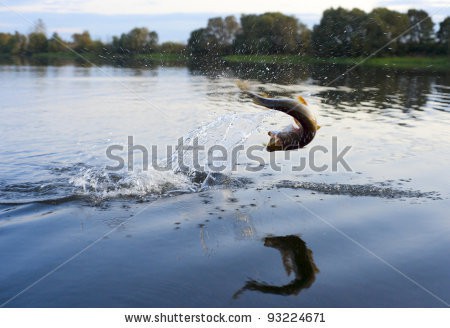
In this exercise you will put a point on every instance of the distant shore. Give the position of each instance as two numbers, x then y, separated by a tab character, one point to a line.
94	58
433	63
155	57
440	63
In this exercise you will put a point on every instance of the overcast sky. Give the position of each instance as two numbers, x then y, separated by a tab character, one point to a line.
174	19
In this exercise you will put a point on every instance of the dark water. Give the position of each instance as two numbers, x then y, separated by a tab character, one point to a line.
74	233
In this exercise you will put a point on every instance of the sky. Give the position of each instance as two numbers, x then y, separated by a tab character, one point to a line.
173	20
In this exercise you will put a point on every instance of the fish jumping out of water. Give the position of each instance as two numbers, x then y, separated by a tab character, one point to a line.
295	137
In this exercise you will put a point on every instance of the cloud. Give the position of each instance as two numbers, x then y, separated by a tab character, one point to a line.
133	7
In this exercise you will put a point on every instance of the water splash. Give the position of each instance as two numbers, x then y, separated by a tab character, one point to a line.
226	132
80	180
105	184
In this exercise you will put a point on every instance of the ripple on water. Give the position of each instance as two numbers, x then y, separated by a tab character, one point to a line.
358	190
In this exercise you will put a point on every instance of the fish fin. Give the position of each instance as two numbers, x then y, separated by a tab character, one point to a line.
302	100
243	85
318	126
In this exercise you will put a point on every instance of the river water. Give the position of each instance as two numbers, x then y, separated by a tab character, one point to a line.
97	210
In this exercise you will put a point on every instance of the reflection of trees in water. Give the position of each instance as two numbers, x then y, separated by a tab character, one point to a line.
384	88
269	73
35	61
297	259
392	89
132	62
139	63
272	73
395	90
210	67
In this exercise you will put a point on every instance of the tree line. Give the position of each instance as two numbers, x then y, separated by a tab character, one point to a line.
139	40
340	33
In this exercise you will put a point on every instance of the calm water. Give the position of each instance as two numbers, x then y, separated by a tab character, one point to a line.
74	233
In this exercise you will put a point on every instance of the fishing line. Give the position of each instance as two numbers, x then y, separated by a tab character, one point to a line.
383	47
121	82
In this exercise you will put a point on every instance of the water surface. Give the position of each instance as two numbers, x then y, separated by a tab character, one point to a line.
77	234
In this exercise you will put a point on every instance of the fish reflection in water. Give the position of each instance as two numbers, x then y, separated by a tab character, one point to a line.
296	258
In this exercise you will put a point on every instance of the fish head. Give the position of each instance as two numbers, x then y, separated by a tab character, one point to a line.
275	143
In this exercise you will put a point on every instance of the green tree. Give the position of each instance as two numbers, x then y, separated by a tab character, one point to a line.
18	44
269	33
199	43
116	45
82	42
56	44
222	31
340	33
5	43
37	43
443	36
172	48
303	39
214	40
13	44
232	27
419	39
37	39
141	40
383	26
138	40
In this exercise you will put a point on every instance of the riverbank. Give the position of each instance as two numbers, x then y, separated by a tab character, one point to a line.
440	63
429	63
94	58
